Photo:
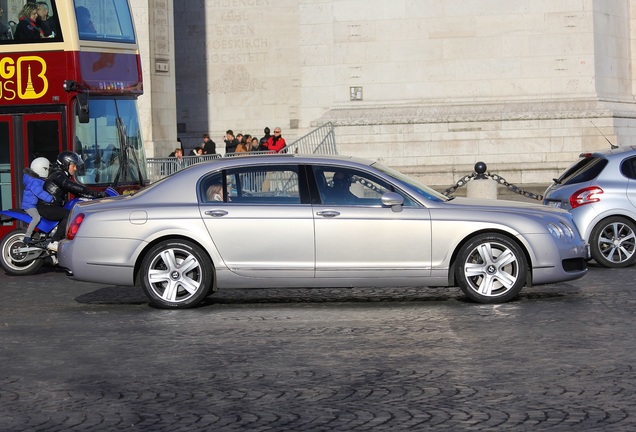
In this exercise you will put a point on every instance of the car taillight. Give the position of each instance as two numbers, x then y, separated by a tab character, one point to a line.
584	196
74	226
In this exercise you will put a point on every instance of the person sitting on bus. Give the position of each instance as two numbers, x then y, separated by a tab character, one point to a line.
58	184
84	21
5	31
27	29
44	21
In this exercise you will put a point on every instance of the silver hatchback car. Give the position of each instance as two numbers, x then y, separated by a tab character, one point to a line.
314	221
600	192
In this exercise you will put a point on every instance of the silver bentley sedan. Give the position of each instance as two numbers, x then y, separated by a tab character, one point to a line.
314	221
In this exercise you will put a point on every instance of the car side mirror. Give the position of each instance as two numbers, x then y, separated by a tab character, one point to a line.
393	200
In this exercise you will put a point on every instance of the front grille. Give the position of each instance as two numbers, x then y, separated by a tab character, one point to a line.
574	264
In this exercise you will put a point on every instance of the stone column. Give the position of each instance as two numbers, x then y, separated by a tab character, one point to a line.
157	107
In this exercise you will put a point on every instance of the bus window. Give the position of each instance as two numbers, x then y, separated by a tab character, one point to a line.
43	136
107	20
32	22
110	143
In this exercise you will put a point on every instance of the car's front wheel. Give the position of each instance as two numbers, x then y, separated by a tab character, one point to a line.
176	274
491	268
613	242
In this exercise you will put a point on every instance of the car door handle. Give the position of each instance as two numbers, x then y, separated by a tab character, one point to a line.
216	213
328	213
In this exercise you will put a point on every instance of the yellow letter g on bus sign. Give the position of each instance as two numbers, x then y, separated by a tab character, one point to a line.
36	84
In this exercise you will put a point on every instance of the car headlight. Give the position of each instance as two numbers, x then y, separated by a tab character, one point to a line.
555	230
568	231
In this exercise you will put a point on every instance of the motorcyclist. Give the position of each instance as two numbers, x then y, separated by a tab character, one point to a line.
58	184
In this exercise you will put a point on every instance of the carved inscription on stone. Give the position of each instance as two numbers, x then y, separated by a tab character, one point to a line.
161	25
238	41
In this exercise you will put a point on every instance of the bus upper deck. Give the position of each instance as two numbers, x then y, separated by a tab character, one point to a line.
70	75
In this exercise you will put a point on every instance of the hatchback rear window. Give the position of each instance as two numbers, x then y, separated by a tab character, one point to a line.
584	170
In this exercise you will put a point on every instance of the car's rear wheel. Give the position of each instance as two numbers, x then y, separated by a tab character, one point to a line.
176	274
613	242
491	268
15	262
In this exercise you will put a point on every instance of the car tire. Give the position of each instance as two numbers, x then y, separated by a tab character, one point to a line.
491	268
176	274
15	263
613	242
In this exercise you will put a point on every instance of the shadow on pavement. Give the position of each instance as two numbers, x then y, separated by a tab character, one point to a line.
120	295
114	295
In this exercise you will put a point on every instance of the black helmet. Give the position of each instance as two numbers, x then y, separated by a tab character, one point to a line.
67	158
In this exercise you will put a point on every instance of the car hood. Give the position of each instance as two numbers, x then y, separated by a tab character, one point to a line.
506	206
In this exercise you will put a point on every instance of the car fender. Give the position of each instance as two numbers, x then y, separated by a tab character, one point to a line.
448	233
181	233
591	217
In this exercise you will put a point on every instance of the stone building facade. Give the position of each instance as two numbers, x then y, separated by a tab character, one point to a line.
427	86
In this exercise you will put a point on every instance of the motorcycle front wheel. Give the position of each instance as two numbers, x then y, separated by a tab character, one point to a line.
15	262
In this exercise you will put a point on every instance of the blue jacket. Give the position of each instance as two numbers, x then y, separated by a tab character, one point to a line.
33	190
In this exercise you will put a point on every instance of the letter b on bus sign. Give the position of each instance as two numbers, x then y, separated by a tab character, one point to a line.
32	82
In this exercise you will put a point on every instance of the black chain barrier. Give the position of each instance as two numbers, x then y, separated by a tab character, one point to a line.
481	173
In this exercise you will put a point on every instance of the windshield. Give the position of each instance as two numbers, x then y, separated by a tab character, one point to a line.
426	191
584	170
110	144
106	20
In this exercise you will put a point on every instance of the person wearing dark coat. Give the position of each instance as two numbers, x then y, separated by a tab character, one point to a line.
262	144
5	31
230	142
59	183
44	21
27	29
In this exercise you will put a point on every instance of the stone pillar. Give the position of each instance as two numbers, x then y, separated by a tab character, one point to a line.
154	24
481	186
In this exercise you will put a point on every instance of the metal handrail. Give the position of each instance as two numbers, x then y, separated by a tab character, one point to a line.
321	140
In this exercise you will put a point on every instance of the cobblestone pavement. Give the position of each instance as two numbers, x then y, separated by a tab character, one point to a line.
78	357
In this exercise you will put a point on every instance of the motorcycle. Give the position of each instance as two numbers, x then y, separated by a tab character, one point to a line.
21	259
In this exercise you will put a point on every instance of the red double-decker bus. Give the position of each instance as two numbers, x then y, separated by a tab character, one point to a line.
69	80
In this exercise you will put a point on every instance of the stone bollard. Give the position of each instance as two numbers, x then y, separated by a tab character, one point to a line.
481	186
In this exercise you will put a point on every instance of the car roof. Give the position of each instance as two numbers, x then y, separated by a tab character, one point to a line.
611	153
180	180
277	159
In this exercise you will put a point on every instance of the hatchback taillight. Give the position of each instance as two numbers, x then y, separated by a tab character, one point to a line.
584	196
74	226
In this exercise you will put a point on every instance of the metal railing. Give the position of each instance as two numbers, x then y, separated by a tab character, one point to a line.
321	140
158	168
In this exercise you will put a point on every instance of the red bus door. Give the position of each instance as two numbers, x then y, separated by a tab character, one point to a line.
7	191
24	137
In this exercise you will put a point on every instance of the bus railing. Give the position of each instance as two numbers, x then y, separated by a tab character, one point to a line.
319	141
